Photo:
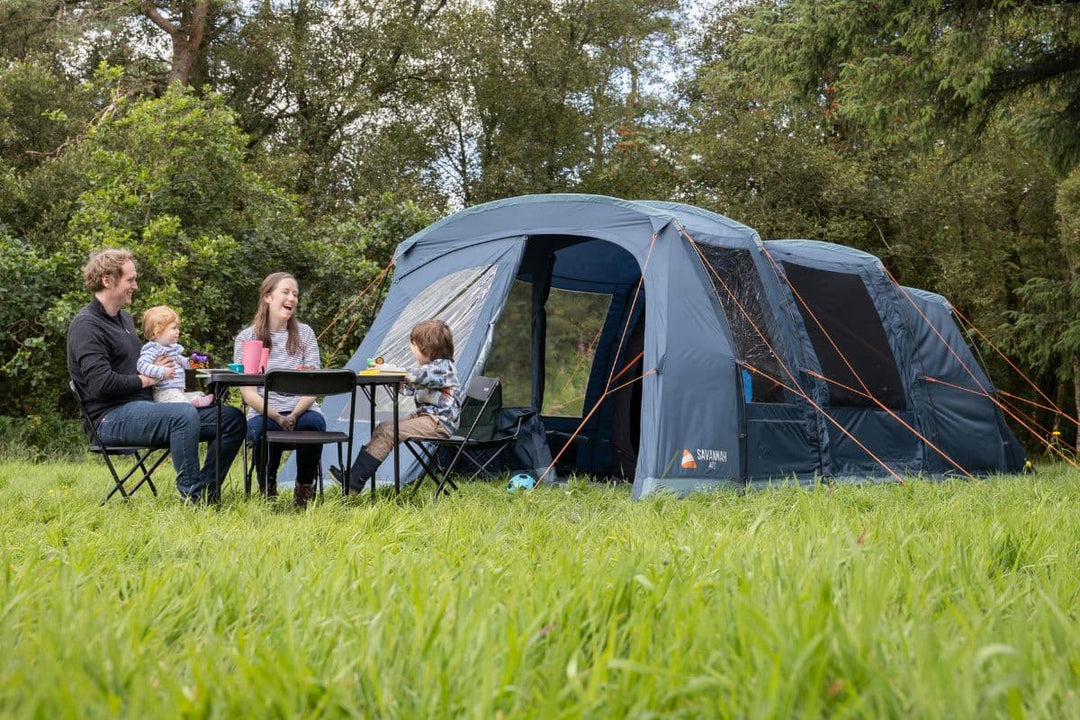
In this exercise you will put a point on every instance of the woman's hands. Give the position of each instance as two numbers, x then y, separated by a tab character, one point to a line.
286	421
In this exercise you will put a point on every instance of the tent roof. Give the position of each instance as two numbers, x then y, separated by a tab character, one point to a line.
563	214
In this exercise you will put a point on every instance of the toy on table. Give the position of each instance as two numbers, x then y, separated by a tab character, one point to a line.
198	361
377	366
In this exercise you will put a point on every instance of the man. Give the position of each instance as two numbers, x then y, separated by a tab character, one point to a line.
102	350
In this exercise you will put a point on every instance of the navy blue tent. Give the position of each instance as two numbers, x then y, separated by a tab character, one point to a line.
669	344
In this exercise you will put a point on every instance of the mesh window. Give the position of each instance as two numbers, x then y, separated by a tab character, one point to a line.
841	304
736	283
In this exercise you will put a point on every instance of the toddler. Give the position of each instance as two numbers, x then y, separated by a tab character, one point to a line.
161	328
435	387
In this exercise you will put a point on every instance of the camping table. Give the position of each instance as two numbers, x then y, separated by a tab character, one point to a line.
217	381
369	383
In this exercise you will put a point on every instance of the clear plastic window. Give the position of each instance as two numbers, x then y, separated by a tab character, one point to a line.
575	321
457	300
510	359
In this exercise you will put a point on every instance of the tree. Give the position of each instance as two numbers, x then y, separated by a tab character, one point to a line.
779	136
905	70
167	178
538	89
186	25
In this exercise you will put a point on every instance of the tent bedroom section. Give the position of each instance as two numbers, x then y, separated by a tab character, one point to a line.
659	341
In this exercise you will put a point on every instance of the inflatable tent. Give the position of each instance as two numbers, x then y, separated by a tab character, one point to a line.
670	345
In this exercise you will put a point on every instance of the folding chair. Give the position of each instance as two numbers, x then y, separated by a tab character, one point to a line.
311	382
250	459
479	413
141	454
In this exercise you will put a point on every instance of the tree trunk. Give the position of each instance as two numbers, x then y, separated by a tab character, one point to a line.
186	33
1076	401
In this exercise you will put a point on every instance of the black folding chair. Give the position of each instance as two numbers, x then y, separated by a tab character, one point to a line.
480	444
311	382
142	455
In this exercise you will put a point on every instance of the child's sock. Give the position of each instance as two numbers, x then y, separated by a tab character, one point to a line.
203	401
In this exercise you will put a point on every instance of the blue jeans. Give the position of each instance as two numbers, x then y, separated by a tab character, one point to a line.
307	456
182	427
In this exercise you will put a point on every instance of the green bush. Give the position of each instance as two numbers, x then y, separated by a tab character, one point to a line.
41	438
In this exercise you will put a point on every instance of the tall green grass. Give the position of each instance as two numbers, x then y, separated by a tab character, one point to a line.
928	600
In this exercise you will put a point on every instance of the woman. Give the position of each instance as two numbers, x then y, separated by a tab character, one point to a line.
292	344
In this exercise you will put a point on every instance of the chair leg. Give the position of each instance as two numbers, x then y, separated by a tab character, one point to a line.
146	478
428	463
247	470
441	487
139	464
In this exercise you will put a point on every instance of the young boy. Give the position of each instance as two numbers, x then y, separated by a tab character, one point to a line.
161	328
434	384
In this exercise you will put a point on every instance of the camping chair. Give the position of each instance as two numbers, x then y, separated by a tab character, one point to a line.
250	460
310	382
141	454
479	413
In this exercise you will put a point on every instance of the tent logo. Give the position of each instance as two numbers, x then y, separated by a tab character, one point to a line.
688	462
712	455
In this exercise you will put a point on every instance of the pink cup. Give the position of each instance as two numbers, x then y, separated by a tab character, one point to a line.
251	353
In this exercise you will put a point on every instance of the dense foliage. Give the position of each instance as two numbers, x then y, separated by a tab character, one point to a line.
222	140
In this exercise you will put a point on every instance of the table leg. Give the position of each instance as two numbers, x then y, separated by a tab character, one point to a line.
372	397
217	445
397	442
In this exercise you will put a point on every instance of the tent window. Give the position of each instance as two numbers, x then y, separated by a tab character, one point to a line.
574	323
457	300
847	317
510	359
737	285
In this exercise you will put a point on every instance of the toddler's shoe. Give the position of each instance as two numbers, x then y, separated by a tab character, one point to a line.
203	401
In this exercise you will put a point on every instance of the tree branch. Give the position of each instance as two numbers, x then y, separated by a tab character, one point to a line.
150	10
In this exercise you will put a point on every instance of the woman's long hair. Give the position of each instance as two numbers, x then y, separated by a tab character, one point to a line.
260	324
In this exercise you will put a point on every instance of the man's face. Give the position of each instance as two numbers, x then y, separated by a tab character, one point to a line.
120	291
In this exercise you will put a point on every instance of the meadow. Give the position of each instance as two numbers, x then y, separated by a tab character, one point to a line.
933	599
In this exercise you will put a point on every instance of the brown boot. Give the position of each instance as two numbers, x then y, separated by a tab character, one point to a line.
302	494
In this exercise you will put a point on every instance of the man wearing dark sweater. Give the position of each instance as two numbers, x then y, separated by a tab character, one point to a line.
102	349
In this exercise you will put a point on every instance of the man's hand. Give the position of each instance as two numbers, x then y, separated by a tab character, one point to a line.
148	381
166	362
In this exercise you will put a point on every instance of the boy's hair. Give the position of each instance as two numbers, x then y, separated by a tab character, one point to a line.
434	339
157	319
104	263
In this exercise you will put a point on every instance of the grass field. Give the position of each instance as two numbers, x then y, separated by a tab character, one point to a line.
950	600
